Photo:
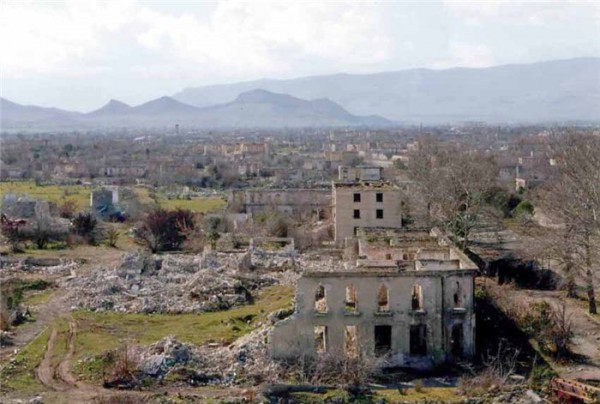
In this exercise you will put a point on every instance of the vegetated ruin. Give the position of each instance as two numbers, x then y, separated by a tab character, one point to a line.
409	298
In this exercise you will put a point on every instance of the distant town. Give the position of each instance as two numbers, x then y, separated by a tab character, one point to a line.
247	261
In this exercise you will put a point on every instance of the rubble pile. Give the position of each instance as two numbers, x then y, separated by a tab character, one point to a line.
243	362
175	283
47	266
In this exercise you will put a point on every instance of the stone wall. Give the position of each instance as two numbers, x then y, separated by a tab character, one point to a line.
295	336
283	200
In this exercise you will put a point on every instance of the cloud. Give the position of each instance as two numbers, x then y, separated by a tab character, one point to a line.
522	13
269	37
239	37
466	55
42	37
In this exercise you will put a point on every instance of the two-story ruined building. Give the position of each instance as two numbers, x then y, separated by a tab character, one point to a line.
409	300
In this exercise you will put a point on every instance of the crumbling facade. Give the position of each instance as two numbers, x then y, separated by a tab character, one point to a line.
255	201
413	306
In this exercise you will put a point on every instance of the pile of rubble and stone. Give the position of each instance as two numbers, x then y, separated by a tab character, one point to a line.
45	265
173	283
243	362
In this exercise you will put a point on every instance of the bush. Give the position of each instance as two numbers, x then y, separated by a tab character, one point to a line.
550	327
523	208
335	370
66	209
163	230
85	225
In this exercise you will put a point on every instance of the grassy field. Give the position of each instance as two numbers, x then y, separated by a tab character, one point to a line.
80	194
38	297
195	205
99	332
20	374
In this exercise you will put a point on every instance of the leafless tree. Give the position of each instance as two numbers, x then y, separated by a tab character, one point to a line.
453	183
573	199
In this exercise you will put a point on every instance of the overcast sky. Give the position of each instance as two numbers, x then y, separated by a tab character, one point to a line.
79	54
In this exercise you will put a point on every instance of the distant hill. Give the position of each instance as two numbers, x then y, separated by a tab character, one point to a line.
260	108
252	109
113	107
562	90
25	116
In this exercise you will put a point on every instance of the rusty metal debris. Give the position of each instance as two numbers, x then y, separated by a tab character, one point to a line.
572	391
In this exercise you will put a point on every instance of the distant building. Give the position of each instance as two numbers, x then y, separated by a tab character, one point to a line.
104	202
362	199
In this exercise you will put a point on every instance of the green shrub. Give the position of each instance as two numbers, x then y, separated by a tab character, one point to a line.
524	207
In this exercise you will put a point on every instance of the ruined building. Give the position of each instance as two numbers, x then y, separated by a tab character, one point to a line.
104	202
363	199
409	300
296	200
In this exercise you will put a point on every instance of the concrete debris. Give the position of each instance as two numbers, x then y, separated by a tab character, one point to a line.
177	283
37	264
245	361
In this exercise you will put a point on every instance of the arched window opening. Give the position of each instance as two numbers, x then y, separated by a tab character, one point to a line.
321	300
351	300
417	297
383	297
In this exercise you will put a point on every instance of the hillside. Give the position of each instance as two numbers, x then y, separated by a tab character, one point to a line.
563	90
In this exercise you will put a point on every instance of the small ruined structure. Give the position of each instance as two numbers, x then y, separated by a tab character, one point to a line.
104	202
24	207
409	300
363	199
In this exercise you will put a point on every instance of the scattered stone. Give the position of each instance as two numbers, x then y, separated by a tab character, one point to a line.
178	283
533	396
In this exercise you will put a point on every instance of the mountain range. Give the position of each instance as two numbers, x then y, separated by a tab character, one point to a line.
553	91
251	109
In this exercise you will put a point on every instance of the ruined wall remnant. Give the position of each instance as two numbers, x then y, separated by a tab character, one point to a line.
417	314
311	201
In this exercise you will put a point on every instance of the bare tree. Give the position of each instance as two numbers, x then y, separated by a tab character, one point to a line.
453	184
573	199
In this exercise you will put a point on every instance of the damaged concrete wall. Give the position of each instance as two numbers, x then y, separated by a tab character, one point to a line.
283	200
446	313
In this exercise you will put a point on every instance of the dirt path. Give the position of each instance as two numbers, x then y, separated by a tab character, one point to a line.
45	316
58	305
45	371
64	367
586	331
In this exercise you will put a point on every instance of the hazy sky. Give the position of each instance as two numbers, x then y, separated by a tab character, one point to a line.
79	54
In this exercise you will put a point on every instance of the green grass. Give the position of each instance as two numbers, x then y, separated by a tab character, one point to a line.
53	193
20	375
38	298
200	205
99	332
81	195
